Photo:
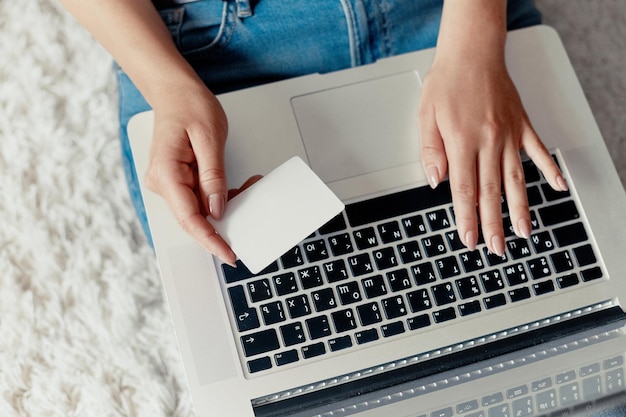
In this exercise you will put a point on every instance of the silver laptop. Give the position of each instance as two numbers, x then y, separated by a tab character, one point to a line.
381	312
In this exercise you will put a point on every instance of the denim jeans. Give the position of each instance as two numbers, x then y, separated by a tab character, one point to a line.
234	44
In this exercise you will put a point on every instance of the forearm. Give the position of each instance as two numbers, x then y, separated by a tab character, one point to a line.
472	29
135	35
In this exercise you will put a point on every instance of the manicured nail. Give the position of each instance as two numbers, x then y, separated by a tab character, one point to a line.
524	228
471	240
433	176
561	183
217	202
497	245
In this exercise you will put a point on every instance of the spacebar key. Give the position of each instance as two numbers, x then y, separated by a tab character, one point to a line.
260	342
397	204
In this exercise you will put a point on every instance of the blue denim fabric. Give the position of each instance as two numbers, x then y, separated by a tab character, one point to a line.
234	44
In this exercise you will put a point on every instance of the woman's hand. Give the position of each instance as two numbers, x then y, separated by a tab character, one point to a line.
473	126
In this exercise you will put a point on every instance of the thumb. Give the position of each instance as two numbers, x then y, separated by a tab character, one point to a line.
212	183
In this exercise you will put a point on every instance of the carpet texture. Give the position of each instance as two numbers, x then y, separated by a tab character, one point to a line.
84	329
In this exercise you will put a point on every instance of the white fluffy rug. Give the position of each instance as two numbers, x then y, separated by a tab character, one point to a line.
83	326
84	330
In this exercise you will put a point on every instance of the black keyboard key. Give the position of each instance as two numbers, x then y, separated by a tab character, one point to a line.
561	261
287	357
468	287
519	294
434	245
392	329
285	283
534	196
492	280
551	194
469	308
323	299
571	234
515	274
443	294
260	342
258	365
389	232
438	220
423	273
584	255
472	261
318	327
567	280
313	350
245	316
444	315
292	334
366	336
360	264
409	251
399	280
448	267
349	293
340	343
539	268
298	306
591	274
414	225
418	322
394	307
543	287
335	224
341	244
316	250
558	213
365	238
419	300
454	242
385	258
493	259
335	271
542	242
310	277
259	290
397	204
493	301
369	314
531	173
273	313
374	286
518	248
292	258
343	320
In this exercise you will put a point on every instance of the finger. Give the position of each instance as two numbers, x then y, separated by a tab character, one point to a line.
433	152
515	191
184	204
464	196
538	153
209	152
490	199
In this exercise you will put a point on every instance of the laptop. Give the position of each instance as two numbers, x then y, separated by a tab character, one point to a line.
381	312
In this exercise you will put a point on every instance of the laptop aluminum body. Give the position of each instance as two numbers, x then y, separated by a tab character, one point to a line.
322	119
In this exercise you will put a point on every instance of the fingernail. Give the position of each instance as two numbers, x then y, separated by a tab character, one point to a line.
561	183
217	202
433	176
497	245
471	240
524	228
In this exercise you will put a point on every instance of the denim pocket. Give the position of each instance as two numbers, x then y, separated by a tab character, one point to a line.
200	25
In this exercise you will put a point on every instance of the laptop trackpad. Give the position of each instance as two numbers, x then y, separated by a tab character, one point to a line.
360	128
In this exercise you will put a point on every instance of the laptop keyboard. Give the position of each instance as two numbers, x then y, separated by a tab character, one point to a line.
389	266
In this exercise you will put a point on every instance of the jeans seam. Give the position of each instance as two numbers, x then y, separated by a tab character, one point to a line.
353	33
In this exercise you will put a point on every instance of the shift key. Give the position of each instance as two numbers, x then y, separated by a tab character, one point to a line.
260	342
